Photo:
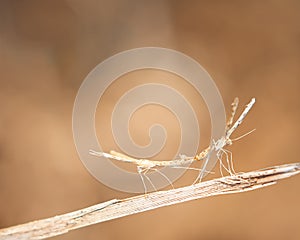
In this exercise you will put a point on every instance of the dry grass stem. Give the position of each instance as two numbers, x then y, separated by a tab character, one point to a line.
115	208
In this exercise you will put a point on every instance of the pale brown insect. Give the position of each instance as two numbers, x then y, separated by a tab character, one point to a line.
145	165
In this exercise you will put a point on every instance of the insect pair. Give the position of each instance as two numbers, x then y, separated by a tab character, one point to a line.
217	147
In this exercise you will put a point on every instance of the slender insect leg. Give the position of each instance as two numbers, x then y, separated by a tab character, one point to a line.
220	154
197	179
229	161
169	181
231	170
206	159
140	172
229	154
225	153
191	168
196	169
200	175
144	174
221	165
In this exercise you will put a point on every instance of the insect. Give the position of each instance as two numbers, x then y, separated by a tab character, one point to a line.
145	165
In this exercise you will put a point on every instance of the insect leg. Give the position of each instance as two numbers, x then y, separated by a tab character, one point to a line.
144	174
140	172
169	181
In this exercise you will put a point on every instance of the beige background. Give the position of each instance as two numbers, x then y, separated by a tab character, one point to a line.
250	48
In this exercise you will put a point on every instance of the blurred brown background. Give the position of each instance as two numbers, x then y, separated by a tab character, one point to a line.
250	48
